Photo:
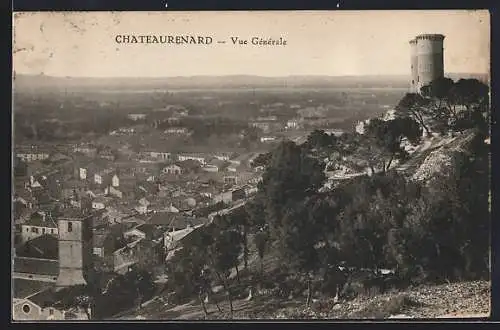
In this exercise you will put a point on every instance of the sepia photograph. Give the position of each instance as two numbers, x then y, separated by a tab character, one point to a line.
251	165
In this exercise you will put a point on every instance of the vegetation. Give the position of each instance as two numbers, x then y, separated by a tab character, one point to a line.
428	232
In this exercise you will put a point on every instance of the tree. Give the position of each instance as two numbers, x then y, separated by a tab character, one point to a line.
261	239
143	283
439	88
290	176
224	254
384	141
262	160
416	107
319	140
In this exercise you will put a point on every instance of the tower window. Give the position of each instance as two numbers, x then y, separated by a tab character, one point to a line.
70	227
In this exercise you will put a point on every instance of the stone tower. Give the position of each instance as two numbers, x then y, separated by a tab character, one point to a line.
427	62
75	248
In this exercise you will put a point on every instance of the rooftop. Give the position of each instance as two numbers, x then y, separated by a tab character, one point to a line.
22	288
36	266
45	246
38	220
152	231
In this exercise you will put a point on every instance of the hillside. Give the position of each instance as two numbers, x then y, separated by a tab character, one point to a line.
464	299
457	299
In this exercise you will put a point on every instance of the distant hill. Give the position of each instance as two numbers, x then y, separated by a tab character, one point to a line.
236	81
42	82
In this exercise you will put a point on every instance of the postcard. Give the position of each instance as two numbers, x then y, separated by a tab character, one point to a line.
251	165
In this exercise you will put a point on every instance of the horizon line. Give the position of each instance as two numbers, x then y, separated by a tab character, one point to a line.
237	74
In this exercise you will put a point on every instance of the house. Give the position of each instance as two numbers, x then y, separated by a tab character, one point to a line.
86	149
157	155
224	156
143	206
37	225
114	192
103	177
24	197
224	197
244	159
292	124
172	238
230	180
82	173
100	202
103	244
172	169
115	181
47	304
113	215
215	165
136	116
107	154
188	156
177	131
32	154
140	250
268	139
147	189
36	269
145	231
267	118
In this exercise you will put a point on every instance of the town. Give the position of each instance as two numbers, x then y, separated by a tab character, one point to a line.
226	196
152	177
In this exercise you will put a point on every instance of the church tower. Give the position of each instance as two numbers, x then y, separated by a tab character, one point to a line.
75	248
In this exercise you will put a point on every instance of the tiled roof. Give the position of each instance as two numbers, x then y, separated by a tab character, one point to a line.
22	288
72	213
151	231
174	220
36	266
44	298
36	219
45	246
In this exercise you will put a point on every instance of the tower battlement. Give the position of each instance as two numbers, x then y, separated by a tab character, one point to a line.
433	37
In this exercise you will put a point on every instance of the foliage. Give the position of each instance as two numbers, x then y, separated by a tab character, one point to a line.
383	141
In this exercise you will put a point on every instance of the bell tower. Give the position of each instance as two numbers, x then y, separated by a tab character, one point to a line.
75	248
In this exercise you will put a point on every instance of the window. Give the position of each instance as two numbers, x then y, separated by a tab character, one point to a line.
51	311
43	230
27	229
26	308
70	227
34	230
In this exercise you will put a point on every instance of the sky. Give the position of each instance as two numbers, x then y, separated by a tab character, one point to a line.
334	43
